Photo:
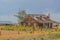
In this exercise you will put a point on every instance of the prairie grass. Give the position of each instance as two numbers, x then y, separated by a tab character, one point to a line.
31	33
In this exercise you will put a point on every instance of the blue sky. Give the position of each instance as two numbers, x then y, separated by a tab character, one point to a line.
8	8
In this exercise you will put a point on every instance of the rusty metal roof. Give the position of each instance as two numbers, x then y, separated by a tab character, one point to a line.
42	20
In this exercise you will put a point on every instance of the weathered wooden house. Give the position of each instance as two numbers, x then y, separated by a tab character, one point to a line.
40	20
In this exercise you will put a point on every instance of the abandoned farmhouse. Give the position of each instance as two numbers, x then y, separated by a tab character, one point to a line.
40	20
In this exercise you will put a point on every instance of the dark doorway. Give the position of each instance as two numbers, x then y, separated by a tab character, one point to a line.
40	25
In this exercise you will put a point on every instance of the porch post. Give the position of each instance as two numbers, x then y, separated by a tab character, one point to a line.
49	25
52	25
43	25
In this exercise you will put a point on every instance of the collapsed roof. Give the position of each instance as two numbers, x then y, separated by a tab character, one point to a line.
41	18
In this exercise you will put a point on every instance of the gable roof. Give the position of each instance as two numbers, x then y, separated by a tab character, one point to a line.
44	18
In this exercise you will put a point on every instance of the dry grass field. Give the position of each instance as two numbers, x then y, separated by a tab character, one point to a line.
49	34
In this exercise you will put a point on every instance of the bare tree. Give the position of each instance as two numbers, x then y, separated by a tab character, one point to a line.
21	14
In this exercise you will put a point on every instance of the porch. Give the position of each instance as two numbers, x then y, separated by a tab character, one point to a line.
45	25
